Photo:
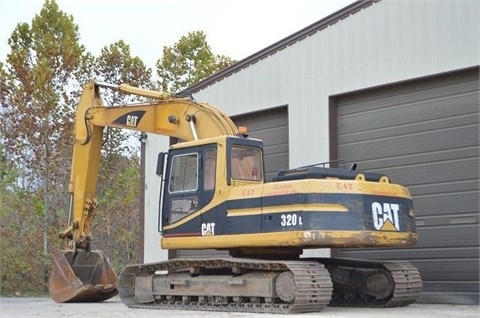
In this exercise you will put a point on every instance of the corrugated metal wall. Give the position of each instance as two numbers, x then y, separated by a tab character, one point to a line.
386	42
424	134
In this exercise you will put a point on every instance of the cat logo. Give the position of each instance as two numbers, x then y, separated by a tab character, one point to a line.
130	119
208	229
385	217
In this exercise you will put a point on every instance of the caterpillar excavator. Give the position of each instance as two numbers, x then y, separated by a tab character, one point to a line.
214	196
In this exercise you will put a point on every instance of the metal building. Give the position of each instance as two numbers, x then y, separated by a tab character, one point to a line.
391	85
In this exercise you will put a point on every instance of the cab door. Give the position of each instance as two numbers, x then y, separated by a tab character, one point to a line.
187	190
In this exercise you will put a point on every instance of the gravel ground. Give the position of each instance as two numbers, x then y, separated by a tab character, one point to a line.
45	307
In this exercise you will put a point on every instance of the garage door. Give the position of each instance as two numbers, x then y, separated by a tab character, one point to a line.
271	126
425	134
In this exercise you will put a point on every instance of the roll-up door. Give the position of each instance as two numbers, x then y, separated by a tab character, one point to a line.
424	134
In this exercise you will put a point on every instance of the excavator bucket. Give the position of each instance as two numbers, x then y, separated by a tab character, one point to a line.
81	277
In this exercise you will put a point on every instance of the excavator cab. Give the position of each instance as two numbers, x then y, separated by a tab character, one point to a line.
81	276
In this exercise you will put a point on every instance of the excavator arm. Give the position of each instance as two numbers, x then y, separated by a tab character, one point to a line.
182	118
175	117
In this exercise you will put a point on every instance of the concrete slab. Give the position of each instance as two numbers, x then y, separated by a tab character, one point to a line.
45	307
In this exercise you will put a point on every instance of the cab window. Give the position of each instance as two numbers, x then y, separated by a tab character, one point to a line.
184	173
246	163
181	207
210	163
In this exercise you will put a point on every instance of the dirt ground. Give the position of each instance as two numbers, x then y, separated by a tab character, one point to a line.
45	307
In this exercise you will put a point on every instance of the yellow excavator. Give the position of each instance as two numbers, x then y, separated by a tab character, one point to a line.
214	195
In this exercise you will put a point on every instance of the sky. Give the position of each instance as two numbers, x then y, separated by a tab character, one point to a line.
234	28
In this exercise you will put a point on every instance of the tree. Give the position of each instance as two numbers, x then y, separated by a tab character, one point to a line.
188	61
116	64
43	62
37	118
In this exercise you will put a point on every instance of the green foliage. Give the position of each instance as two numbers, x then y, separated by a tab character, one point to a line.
188	61
118	215
4	92
20	273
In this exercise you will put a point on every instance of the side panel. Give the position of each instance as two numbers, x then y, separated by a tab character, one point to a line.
315	213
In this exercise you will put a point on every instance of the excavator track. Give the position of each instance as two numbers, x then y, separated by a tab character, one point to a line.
373	283
264	286
230	284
